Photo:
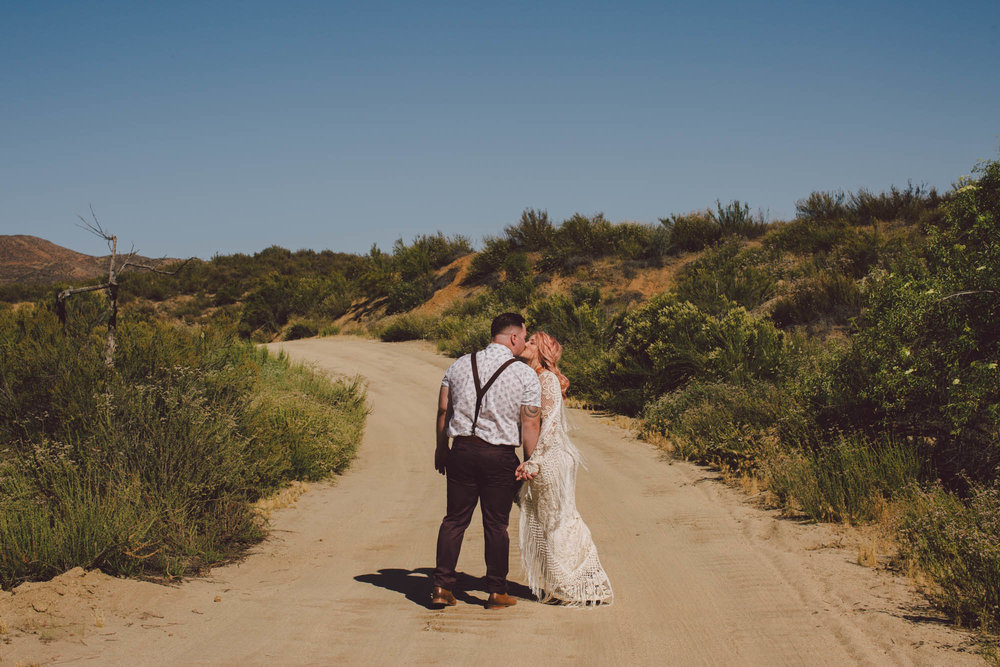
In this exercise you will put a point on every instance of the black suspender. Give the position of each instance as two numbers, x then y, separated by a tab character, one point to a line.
482	389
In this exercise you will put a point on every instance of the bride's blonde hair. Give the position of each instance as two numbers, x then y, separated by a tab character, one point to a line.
549	354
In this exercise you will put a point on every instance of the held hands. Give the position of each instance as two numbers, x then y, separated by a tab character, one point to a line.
526	472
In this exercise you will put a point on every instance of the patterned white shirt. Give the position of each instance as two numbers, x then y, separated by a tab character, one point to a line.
499	416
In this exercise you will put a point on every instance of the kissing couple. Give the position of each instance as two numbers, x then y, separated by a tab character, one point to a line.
490	401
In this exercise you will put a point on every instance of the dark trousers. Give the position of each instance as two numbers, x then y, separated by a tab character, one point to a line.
483	473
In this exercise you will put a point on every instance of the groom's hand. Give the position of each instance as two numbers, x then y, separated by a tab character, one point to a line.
441	430
441	460
521	474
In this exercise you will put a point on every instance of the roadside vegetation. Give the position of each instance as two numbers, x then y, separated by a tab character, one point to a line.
151	468
844	361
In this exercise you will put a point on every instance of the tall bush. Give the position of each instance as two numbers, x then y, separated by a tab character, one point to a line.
728	273
534	231
925	360
666	342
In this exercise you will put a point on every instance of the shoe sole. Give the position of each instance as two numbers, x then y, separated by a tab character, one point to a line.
441	604
500	606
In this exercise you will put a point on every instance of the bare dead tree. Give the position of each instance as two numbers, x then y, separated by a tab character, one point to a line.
115	269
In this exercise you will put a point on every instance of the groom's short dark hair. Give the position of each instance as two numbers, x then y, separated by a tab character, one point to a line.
504	321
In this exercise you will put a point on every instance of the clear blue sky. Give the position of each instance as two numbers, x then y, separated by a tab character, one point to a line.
196	128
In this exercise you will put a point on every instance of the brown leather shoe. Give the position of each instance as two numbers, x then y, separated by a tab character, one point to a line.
442	597
500	601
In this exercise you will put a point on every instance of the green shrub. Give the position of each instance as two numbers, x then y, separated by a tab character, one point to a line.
301	330
589	236
228	293
517	286
849	479
909	205
822	207
534	232
578	242
457	336
576	319
329	330
407	277
633	241
735	219
22	292
516	293
807	235
701	229
958	545
728	273
489	261
720	423
657	246
692	231
484	302
405	295
151	467
405	327
924	362
666	342
268	307
826	296
428	252
862	249
334	305
377	276
865	207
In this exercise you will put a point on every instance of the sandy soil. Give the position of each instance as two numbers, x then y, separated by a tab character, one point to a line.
700	576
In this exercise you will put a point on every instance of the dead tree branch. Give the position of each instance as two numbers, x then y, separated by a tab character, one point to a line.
967	293
115	270
147	267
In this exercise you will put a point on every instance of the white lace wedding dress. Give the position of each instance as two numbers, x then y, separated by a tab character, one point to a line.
557	552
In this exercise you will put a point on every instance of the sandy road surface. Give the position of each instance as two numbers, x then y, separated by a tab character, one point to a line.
700	576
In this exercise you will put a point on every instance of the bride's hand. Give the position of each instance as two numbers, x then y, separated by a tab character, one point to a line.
524	474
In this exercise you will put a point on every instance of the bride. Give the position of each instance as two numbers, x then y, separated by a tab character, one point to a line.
557	551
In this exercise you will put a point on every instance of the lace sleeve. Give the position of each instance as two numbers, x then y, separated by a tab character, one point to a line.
551	403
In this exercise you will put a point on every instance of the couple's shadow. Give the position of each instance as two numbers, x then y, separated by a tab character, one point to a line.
416	586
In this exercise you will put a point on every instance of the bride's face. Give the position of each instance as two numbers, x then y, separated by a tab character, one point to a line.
530	353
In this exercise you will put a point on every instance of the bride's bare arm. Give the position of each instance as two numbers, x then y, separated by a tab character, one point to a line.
531	418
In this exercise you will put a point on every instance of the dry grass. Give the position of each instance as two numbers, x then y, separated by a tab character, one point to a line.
618	282
286	497
868	554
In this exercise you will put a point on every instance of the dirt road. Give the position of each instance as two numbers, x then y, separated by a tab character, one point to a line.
700	576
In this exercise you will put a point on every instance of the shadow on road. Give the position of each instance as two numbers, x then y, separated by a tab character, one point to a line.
415	585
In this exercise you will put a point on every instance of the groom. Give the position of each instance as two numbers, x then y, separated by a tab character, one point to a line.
489	402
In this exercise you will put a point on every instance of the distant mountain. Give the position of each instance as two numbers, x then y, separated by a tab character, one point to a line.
31	260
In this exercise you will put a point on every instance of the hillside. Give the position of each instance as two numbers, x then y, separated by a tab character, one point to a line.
842	364
33	260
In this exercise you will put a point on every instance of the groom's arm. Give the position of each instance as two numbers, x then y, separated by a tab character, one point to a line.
441	428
